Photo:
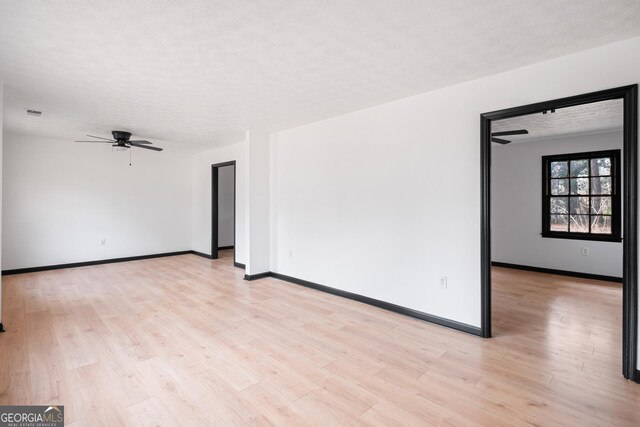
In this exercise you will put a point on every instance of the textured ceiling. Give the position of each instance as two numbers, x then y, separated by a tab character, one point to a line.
597	117
204	71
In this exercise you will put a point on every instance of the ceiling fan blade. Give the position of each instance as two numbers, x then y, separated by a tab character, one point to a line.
511	132
133	144
500	141
141	141
101	142
99	137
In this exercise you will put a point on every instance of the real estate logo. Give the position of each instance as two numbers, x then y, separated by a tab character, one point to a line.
32	416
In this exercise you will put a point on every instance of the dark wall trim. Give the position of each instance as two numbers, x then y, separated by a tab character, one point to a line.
214	211
1	327
223	248
629	95
630	243
107	261
214	207
558	272
381	304
235	264
637	376
485	227
202	254
257	276
89	263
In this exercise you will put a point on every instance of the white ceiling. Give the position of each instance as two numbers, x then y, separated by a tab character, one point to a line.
204	71
597	117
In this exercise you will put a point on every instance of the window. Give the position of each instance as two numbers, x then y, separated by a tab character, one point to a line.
581	196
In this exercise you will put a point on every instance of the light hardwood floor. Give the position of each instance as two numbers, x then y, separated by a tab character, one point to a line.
185	341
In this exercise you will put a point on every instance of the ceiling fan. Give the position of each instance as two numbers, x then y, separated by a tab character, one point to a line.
506	133
122	142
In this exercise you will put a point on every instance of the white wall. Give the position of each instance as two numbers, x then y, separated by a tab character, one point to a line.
516	206
225	206
62	198
201	207
384	201
259	157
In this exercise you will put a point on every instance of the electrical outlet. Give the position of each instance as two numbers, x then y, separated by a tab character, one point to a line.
443	282
585	251
103	242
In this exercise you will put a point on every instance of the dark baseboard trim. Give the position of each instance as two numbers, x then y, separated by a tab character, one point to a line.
382	304
202	254
636	377
257	276
1	327
222	248
558	272
89	263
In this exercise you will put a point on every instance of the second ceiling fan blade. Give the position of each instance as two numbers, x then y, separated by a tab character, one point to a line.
500	140
141	141
101	142
134	144
99	137
511	132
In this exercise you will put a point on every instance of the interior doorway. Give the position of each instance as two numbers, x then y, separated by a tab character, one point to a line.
223	208
600	220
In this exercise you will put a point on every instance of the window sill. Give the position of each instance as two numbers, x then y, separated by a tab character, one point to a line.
579	236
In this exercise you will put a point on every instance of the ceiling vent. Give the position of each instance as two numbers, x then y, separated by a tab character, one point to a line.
34	113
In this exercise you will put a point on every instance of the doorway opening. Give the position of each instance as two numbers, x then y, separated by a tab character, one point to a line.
223	210
596	213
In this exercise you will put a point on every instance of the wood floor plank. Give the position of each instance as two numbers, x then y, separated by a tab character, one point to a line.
149	413
186	341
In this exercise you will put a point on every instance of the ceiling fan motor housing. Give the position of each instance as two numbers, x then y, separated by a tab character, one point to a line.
120	135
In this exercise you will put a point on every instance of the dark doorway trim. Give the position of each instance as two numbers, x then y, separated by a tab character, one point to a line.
629	95
215	191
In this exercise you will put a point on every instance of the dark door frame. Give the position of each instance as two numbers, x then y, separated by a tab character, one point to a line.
214	208
629	95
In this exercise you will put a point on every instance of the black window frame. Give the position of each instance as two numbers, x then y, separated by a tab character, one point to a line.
616	208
